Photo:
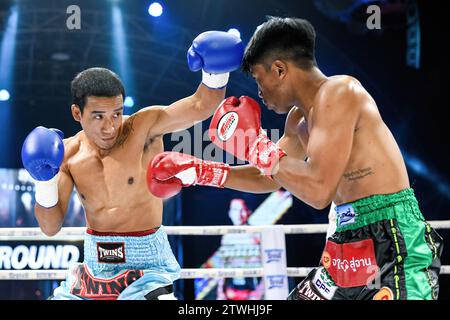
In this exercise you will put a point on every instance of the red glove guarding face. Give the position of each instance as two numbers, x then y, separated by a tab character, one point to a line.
236	128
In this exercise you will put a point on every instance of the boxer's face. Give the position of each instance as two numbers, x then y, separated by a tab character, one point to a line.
101	120
270	88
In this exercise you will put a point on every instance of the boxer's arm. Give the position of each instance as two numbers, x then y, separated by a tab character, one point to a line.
51	219
329	147
183	113
247	178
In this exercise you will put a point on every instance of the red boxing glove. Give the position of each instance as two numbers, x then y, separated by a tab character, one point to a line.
168	172
236	128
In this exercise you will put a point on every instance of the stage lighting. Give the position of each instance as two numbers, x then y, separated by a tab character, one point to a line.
129	102
4	95
155	9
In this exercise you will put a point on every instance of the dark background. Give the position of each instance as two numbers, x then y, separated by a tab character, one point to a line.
412	100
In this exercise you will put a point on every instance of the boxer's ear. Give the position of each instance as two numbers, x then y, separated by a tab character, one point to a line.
76	112
280	67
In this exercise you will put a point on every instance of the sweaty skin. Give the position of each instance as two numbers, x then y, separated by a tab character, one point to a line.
107	161
338	147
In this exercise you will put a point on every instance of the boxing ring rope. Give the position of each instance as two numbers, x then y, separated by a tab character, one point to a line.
77	234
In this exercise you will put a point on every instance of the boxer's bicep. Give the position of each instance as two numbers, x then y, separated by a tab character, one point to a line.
331	137
186	112
65	180
292	146
65	188
159	120
178	116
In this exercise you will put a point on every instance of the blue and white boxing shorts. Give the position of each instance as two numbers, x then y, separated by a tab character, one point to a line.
122	266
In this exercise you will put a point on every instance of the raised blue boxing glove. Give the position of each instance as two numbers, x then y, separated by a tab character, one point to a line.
42	155
217	53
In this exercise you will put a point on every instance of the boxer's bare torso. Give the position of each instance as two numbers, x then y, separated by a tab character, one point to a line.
375	164
112	186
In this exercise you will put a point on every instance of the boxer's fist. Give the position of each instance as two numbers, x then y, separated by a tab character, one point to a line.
168	172
43	153
161	188
236	128
217	53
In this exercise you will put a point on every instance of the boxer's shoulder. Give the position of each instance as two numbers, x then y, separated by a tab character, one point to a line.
150	111
341	87
342	80
145	118
72	144
71	148
343	93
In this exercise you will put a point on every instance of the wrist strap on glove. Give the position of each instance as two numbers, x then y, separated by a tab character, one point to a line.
215	81
46	193
212	174
265	155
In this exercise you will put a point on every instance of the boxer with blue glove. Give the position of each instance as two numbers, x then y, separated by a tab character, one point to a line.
215	64
126	251
42	154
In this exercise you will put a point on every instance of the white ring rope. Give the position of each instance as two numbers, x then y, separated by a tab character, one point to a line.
77	234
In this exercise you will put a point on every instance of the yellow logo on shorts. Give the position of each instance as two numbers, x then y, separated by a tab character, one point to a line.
384	294
326	259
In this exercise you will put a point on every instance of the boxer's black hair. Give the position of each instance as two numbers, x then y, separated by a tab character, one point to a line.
290	39
97	82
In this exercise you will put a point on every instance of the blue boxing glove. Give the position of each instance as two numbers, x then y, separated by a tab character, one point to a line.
217	53
42	155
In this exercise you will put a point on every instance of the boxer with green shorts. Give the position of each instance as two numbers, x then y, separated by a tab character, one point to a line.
335	148
382	249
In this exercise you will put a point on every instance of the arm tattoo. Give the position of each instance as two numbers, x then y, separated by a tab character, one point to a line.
126	130
358	174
